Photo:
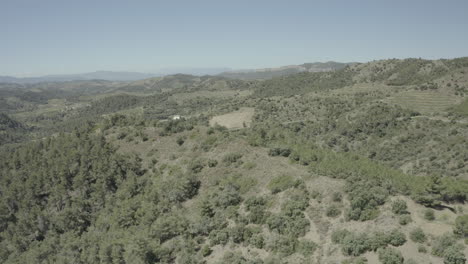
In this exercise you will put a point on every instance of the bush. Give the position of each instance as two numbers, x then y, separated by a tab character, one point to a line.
358	260
338	236
256	207
365	197
333	211
232	158
442	243
121	135
180	141
399	207
396	238
281	183
284	152
306	247
196	166
405	219
168	227
234	257
206	251
180	188
454	255
417	235
429	215
219	237
337	197
212	163
257	241
355	244
422	249
284	245
390	256
461	226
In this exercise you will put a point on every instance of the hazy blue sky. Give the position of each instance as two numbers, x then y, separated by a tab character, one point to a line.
69	36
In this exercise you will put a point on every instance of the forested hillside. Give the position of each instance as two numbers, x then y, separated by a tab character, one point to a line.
363	164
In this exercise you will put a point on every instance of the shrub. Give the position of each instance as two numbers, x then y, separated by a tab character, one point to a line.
212	163
396	238
337	197
256	207
399	207
206	251
257	241
306	247
461	226
365	197
405	219
295	225
442	243
284	152
226	196
196	166
454	255
284	245
219	237
422	249
358	260
180	141
234	257
429	215
390	256
333	211
417	235
121	135
338	236
281	183
355	244
180	188
238	233
232	158
168	227
315	194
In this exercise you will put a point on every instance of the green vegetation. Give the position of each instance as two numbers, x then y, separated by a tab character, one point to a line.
355	244
417	235
390	256
282	183
461	226
101	172
399	207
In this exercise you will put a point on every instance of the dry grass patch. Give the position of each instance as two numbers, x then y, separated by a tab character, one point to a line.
235	120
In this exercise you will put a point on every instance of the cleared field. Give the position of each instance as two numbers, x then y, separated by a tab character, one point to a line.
235	120
425	102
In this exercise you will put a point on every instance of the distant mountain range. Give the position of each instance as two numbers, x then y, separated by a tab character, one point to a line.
247	74
268	73
98	75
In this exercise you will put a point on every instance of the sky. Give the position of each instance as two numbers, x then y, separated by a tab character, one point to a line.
39	37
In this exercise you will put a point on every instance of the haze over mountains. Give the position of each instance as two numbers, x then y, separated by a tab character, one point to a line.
246	74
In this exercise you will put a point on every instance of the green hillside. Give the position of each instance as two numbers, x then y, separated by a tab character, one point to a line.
363	164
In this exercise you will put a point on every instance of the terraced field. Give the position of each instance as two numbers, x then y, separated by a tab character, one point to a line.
425	102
